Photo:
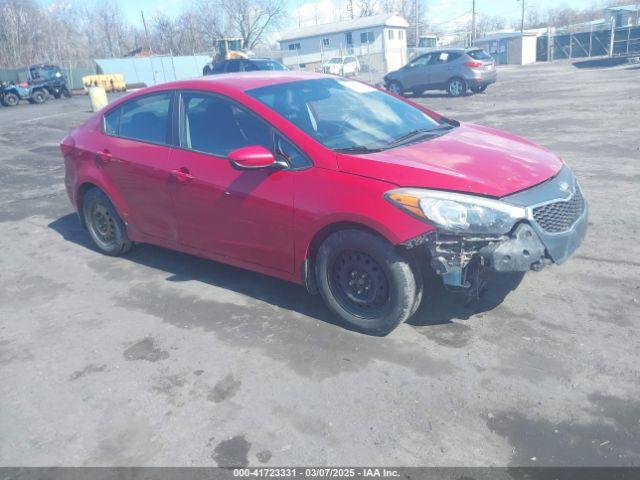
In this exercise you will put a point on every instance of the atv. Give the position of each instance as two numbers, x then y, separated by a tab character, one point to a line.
49	77
12	93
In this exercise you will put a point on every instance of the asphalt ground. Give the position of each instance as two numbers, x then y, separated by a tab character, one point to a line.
159	358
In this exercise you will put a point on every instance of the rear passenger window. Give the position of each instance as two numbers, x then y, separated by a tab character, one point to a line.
146	119
215	125
112	122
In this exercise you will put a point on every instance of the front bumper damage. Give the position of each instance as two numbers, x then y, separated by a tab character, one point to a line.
556	224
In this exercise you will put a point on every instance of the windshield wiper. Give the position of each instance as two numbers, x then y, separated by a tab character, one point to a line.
357	149
417	133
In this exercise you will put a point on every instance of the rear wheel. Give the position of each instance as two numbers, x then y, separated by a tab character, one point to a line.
39	97
105	226
457	87
395	87
418	93
10	99
479	89
365	281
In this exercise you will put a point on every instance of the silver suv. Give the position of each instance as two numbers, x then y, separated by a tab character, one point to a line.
455	70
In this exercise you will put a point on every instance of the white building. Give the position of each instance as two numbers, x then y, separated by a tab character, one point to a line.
379	42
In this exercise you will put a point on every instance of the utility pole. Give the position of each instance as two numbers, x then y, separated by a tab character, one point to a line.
350	7
522	18
417	23
473	22
146	32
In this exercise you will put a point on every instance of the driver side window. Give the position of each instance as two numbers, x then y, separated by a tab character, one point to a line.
421	61
215	125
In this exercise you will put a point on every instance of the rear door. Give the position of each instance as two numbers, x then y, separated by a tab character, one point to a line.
442	67
133	157
243	214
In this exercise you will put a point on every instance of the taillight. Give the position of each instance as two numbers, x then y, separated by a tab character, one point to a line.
473	64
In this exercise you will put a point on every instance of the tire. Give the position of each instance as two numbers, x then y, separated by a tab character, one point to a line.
395	87
106	228
39	97
457	87
366	282
479	89
418	93
10	99
66	93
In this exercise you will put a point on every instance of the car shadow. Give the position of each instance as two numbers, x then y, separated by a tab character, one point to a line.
430	95
439	305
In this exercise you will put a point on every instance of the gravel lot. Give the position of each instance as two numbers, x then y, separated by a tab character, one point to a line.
161	358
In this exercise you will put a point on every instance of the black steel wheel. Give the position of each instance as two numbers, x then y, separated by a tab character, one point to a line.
360	283
367	282
104	224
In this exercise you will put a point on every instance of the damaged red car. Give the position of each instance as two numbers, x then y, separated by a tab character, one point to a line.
322	181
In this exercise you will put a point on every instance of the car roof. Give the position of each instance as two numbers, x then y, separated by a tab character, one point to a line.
242	81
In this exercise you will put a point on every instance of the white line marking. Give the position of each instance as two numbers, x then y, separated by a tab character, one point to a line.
42	118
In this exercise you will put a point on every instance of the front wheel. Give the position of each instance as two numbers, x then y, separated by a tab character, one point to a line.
366	282
10	99
396	88
457	87
105	226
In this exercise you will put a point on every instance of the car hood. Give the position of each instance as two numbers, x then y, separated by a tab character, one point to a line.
469	158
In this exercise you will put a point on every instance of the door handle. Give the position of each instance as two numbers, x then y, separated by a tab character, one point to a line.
104	155
182	174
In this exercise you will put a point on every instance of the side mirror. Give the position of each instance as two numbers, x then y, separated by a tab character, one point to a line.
252	158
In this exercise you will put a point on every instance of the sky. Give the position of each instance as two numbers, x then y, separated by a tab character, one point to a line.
448	14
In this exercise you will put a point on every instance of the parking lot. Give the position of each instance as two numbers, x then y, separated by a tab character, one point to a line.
159	358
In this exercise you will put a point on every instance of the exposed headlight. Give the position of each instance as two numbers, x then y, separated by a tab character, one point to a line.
457	212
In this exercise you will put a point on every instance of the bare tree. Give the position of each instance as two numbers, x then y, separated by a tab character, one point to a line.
367	7
251	20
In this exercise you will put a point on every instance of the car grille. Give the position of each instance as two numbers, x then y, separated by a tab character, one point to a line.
560	216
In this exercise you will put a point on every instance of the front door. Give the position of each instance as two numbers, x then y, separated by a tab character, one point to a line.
134	158
243	214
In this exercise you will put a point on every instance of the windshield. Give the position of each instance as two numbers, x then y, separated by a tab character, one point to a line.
479	55
335	60
269	65
347	115
45	73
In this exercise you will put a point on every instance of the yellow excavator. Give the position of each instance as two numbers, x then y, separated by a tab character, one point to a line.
227	48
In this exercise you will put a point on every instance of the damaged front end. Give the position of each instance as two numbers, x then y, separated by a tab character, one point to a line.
548	222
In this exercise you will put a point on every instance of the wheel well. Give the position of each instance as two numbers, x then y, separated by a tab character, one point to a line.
308	277
82	191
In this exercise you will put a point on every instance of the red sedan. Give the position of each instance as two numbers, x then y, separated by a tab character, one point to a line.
321	181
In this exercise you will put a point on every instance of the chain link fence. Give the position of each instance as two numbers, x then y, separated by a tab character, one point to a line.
619	41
